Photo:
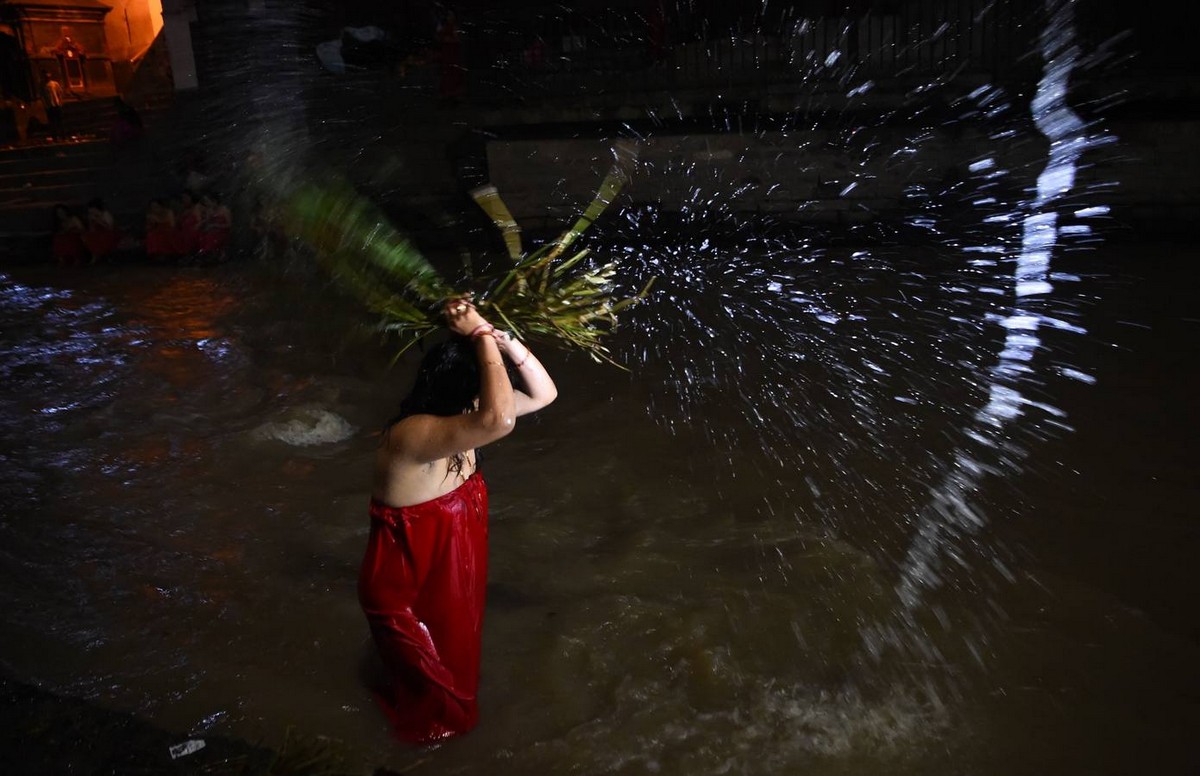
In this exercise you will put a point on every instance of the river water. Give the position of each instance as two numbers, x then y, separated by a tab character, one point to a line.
186	470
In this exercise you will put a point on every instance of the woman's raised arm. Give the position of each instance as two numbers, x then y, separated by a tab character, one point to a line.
427	438
539	387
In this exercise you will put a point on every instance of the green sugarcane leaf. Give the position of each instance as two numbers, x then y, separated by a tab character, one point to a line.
538	295
488	198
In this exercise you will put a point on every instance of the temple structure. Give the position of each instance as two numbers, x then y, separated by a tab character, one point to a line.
95	49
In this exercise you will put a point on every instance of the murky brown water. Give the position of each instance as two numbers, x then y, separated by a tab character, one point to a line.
186	470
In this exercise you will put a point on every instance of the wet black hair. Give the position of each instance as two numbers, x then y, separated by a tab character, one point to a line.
447	381
447	384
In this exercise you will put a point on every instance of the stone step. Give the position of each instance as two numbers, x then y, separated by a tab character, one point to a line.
42	180
10	180
94	119
39	221
48	196
44	196
46	152
34	179
79	189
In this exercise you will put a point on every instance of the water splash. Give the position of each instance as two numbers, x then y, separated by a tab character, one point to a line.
878	388
951	514
778	340
310	426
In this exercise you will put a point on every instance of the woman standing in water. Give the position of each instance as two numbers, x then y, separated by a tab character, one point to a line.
423	578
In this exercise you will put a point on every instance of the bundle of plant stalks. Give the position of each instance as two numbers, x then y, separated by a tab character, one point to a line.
566	299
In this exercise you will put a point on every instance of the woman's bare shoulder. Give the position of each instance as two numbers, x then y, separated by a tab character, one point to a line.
406	435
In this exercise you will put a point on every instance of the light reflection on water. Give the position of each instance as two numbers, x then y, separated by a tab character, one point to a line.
655	606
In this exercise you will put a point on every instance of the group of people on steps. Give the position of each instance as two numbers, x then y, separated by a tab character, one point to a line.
190	228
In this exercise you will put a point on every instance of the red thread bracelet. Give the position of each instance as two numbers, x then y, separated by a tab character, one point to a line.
528	354
481	329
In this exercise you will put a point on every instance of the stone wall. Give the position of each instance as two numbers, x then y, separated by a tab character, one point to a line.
1147	175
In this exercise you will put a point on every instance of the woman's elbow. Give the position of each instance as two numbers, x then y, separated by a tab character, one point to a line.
498	423
542	400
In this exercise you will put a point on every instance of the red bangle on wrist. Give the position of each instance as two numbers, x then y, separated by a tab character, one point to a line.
482	329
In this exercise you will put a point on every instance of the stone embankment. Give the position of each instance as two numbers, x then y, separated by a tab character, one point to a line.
846	164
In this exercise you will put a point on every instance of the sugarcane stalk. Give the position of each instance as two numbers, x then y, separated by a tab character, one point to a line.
538	293
488	198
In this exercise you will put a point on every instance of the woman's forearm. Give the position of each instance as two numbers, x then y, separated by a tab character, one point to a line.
496	401
539	386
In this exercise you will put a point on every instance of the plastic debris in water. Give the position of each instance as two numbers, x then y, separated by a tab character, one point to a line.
186	748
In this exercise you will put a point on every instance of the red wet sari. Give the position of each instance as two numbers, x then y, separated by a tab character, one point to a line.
422	587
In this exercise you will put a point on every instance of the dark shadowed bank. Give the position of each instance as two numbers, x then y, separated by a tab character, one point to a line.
42	734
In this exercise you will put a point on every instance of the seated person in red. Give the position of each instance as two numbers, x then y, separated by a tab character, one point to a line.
160	231
188	224
67	246
101	236
218	222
